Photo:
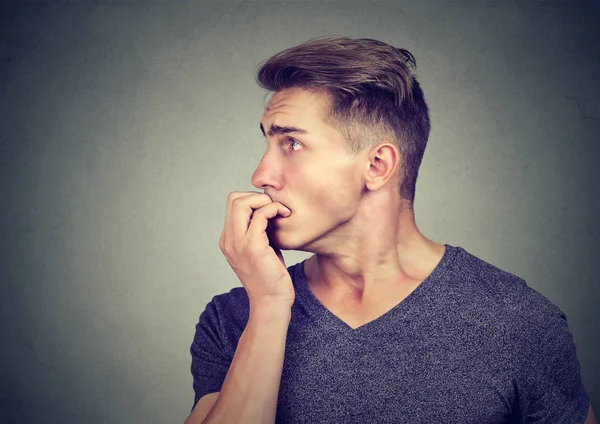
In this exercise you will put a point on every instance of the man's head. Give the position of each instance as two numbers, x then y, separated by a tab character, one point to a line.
370	92
346	124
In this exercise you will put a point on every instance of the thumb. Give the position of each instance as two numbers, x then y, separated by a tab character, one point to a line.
279	254
274	245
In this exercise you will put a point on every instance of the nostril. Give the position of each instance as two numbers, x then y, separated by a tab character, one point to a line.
262	180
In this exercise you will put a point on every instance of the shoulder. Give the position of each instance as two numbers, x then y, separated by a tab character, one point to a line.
227	310
475	273
497	293
234	305
532	329
231	300
506	288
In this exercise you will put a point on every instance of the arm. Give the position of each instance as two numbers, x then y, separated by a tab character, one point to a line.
549	379
202	408
591	418
250	390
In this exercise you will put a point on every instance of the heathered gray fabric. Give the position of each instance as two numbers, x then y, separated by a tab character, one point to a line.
472	344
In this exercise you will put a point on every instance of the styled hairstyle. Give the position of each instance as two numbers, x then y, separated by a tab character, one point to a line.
372	94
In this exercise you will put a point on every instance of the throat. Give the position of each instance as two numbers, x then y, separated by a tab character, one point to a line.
356	310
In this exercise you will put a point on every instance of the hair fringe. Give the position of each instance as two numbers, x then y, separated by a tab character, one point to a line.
372	90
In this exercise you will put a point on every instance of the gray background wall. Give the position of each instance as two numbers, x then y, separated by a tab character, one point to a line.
124	126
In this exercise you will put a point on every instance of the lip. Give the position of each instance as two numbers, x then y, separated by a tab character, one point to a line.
274	199
278	219
279	201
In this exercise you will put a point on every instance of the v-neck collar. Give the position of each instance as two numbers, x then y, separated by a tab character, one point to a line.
329	322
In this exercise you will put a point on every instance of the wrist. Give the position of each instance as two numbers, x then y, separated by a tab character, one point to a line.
270	310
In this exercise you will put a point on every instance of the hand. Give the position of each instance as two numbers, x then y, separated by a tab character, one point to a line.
246	245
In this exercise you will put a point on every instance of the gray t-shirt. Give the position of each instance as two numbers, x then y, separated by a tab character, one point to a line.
471	344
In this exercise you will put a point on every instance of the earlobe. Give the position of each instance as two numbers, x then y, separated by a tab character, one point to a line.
383	160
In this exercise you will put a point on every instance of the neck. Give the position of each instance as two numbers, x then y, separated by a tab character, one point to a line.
380	249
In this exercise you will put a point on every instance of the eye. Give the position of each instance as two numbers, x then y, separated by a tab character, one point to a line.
295	145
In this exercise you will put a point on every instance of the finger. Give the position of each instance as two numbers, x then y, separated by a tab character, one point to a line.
261	216
279	254
230	211
273	244
225	234
230	198
242	210
226	238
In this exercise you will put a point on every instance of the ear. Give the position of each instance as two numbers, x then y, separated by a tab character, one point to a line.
383	162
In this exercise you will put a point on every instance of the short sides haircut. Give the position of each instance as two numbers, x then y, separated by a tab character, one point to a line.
372	91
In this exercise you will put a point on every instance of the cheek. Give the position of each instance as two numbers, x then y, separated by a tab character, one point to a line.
334	194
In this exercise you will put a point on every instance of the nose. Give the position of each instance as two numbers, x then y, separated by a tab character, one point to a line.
267	173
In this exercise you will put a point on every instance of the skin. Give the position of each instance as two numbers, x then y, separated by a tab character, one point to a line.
369	253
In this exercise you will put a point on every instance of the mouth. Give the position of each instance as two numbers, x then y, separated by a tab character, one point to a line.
278	201
278	219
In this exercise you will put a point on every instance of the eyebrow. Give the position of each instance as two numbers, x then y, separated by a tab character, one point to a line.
277	129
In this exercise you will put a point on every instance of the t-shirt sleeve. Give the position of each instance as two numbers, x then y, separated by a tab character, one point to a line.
550	387
210	360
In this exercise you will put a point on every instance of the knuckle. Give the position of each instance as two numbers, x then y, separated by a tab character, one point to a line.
222	245
233	195
258	213
235	246
237	202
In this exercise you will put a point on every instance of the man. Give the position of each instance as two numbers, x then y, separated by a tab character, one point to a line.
381	324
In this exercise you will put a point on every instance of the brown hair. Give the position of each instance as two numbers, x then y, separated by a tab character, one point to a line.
372	93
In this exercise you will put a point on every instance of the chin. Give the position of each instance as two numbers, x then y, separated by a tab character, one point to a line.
296	237
288	242
284	240
283	243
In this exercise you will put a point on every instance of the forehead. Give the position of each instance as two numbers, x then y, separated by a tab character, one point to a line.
297	104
